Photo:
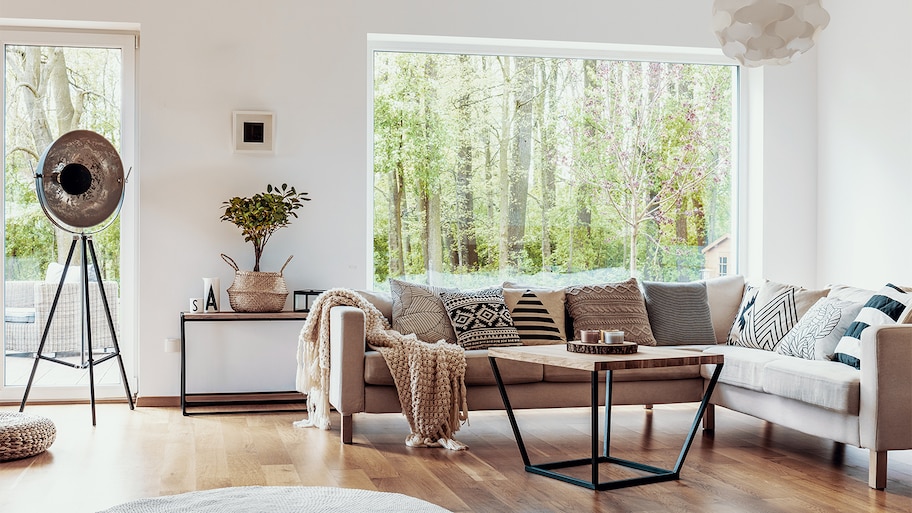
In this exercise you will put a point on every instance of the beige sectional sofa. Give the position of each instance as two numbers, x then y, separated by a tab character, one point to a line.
869	408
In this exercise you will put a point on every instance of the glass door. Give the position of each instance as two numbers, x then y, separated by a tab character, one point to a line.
54	83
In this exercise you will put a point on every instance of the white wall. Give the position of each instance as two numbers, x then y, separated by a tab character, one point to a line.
865	126
782	199
306	61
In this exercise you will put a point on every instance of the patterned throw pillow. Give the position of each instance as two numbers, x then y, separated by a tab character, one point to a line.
610	306
819	330
538	314
679	313
480	318
745	312
889	306
418	309
775	310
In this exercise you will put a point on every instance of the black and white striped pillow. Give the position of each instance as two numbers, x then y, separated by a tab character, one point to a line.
538	314
888	306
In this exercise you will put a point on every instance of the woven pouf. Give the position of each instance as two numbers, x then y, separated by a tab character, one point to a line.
23	435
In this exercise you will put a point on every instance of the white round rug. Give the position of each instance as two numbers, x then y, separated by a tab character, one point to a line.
279	499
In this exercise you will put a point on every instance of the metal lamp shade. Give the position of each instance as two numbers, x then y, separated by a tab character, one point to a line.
80	181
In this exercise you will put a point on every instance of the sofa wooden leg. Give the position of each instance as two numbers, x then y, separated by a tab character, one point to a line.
877	469
709	418
647	406
347	429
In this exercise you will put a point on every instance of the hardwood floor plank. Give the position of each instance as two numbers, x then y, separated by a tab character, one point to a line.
282	475
746	466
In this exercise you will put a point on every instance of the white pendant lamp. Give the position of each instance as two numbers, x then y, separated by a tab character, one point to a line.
759	32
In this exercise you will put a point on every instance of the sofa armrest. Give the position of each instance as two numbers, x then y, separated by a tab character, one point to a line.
346	359
885	410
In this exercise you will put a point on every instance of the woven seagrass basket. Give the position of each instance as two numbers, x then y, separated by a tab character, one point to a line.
256	291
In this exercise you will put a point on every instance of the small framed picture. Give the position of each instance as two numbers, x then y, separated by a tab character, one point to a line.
253	131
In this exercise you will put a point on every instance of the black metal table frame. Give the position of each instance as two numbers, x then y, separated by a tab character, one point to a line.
658	475
246	402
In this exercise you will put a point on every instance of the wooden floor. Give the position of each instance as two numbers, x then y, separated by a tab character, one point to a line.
747	466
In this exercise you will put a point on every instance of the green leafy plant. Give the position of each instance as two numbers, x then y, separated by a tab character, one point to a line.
260	215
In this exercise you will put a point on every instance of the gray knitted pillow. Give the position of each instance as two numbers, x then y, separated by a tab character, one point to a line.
679	313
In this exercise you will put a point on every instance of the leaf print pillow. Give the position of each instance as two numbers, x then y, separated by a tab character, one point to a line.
818	331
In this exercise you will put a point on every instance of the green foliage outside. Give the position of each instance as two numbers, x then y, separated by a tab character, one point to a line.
51	91
549	171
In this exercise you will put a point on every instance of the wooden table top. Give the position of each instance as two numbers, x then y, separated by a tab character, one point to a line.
243	316
646	357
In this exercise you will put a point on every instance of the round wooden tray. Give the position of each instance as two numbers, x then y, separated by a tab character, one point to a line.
575	346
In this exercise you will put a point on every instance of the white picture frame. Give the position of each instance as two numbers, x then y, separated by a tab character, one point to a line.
253	131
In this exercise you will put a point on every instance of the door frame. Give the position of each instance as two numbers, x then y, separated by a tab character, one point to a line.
93	35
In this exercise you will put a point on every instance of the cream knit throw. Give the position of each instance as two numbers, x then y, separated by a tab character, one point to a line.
430	378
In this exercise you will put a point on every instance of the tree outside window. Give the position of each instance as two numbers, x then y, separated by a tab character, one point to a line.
547	170
51	91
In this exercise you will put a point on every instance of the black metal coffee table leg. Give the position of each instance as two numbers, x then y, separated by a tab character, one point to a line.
657	474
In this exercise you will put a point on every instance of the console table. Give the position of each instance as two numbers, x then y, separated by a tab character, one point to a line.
645	357
233	317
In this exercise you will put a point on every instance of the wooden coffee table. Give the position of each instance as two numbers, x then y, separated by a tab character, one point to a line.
644	358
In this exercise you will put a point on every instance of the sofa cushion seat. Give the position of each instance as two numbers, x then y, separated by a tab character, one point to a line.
478	370
744	367
563	375
831	385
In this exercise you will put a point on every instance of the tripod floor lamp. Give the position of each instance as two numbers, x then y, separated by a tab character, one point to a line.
80	185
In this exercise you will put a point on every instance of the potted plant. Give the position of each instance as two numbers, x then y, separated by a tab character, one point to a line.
258	217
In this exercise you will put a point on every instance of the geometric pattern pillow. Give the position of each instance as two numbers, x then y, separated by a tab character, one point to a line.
745	312
889	306
418	309
610	306
775	311
679	313
538	314
480	318
818	332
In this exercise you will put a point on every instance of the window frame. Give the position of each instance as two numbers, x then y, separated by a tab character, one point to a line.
744	103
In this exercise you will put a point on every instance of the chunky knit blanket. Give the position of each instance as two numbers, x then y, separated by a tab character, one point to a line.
430	378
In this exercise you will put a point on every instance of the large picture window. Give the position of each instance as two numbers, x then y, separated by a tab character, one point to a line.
550	170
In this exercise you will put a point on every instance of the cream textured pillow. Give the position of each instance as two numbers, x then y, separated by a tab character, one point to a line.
418	309
538	314
775	311
616	306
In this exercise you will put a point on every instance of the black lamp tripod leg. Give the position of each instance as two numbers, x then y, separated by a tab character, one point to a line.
107	310
87	319
47	325
87	248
